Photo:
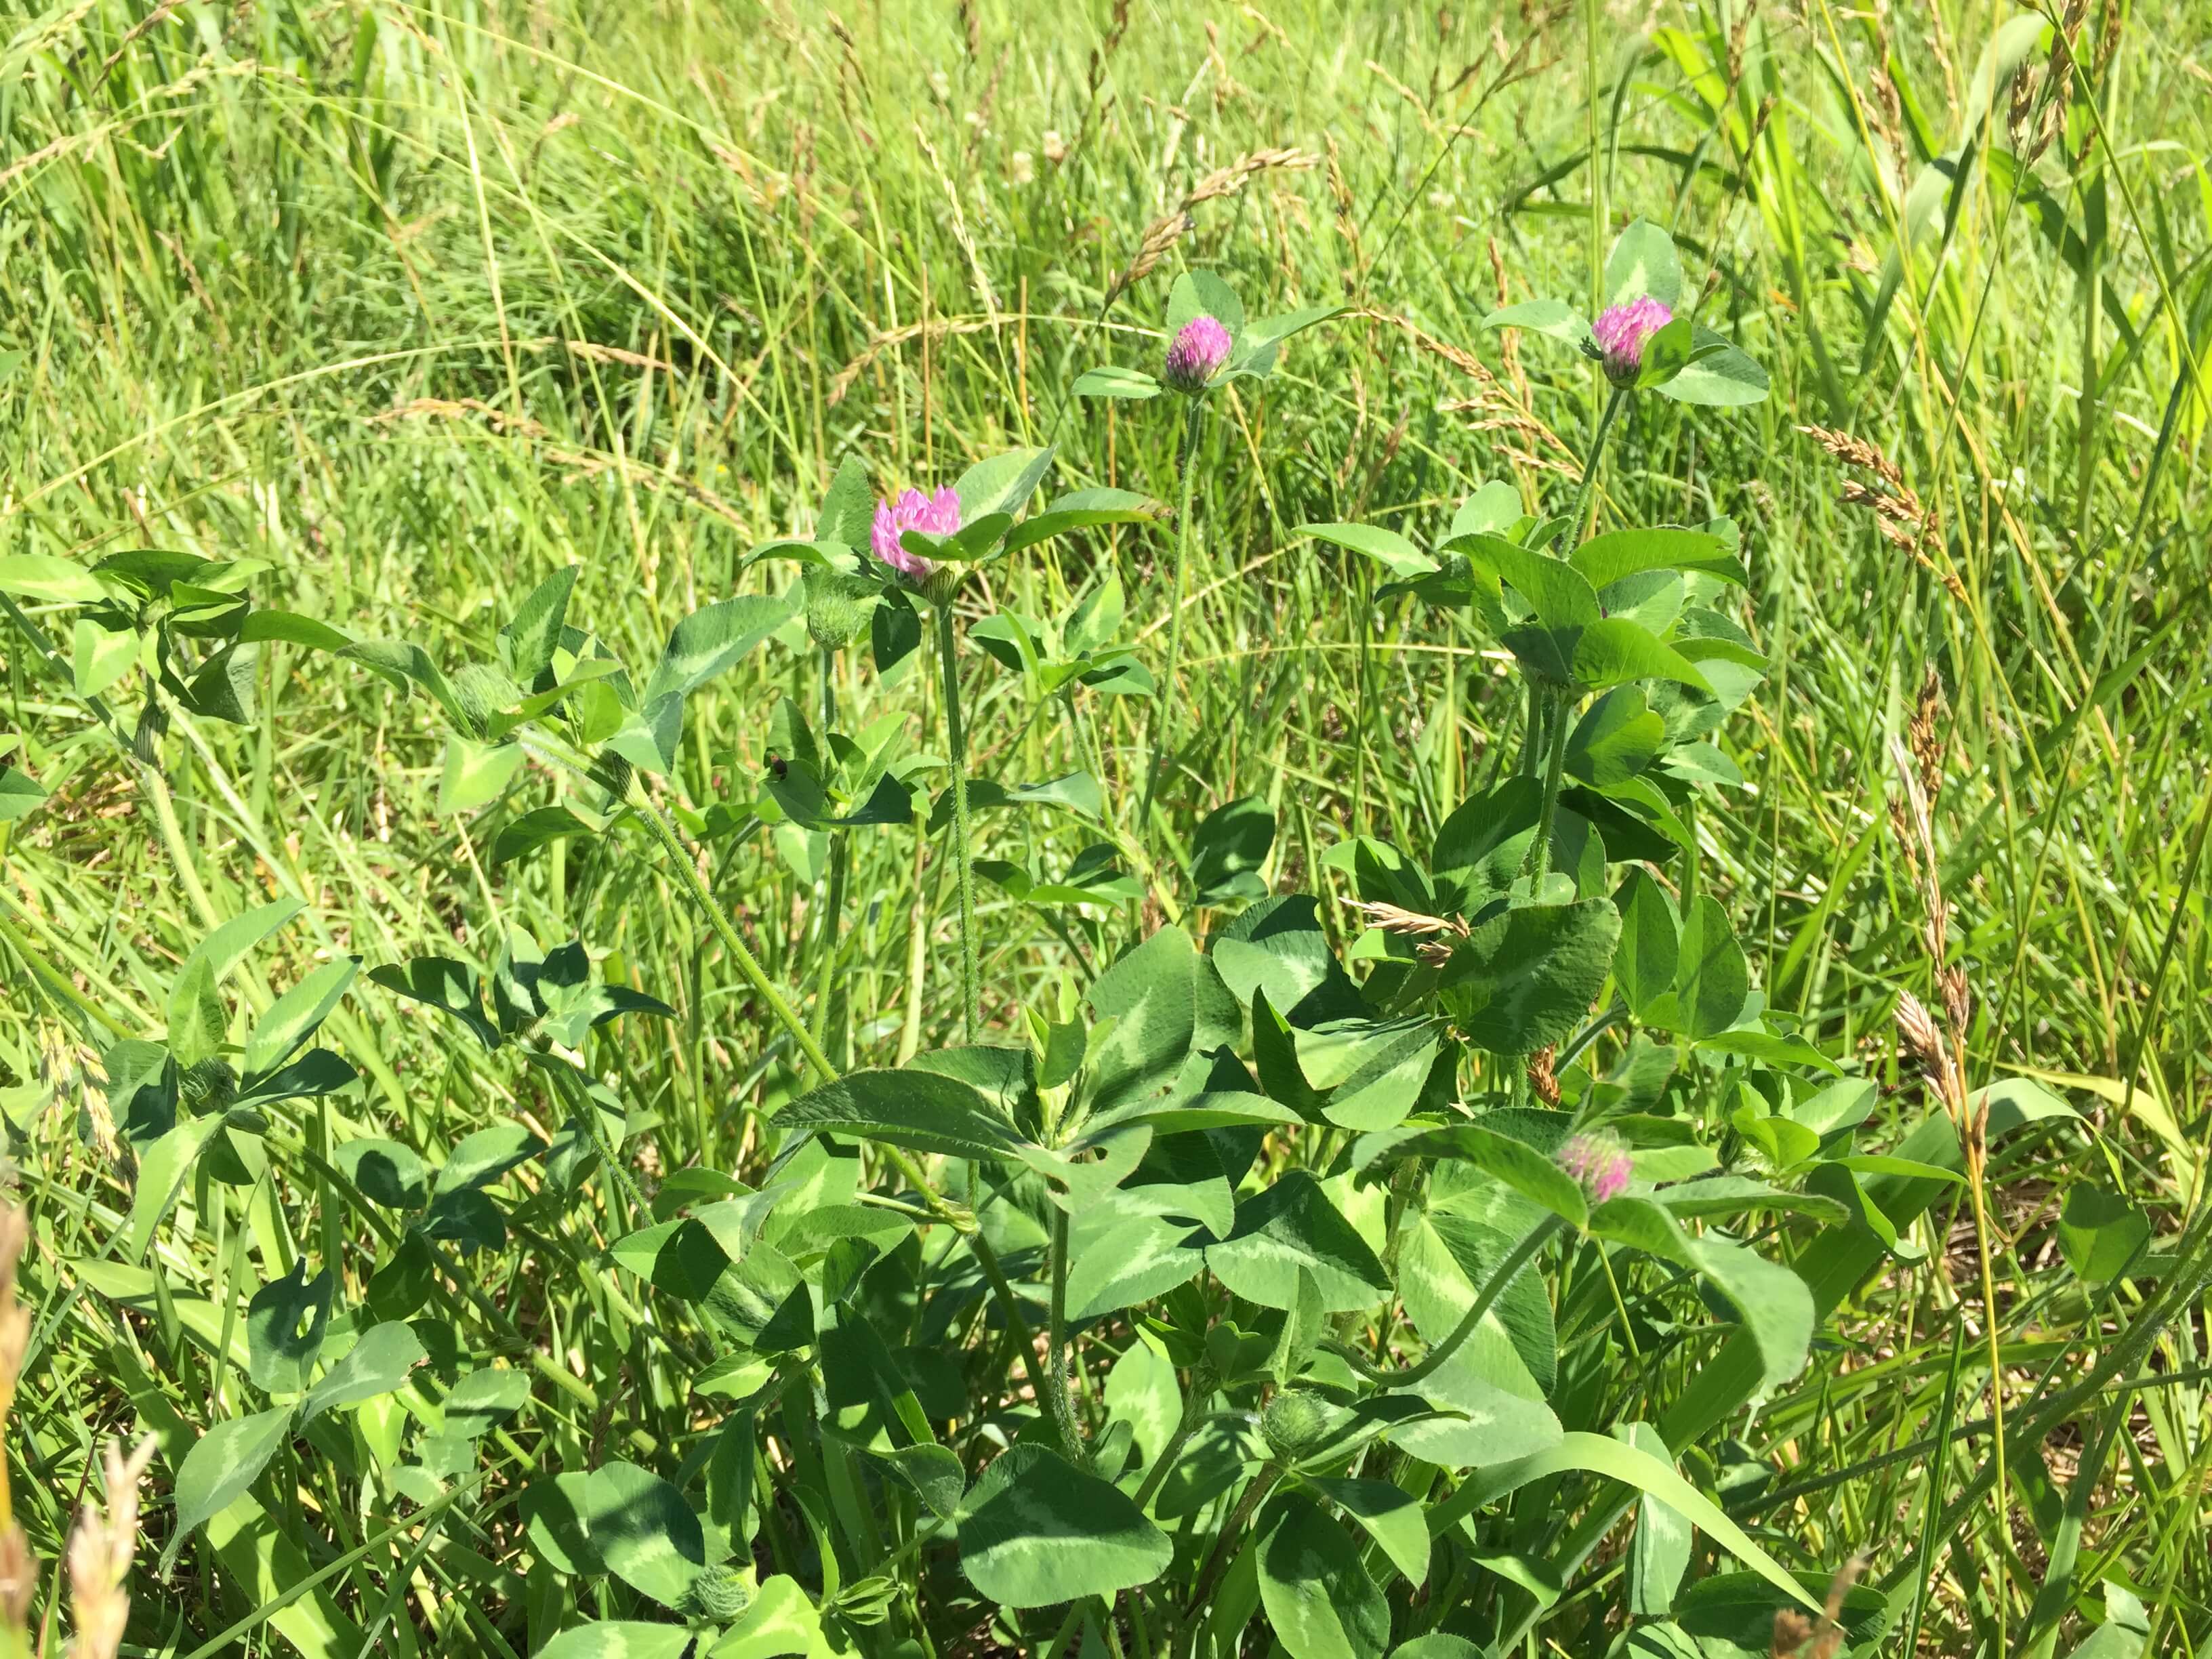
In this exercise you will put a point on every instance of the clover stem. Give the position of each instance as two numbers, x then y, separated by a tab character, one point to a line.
986	1257
1559	703
1063	1408
568	1082
1227	1543
956	740
833	905
151	779
1532	733
1500	1277
156	788
1193	1413
1614	399
1164	697
1540	855
687	873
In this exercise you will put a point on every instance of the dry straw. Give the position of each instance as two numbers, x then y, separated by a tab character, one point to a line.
100	1555
1903	517
1161	236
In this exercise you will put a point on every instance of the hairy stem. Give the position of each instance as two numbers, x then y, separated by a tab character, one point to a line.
1555	762
833	905
1531	731
1493	1287
1613	401
956	739
960	1221
567	1081
1559	703
1163	727
156	788
1061	1364
1226	1543
687	873
988	1259
1193	1413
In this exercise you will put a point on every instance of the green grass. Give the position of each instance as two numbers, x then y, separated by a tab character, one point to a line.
419	304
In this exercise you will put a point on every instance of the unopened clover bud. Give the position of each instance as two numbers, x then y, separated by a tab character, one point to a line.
943	582
1622	332
612	773
146	736
1195	355
722	1593
1294	1422
480	691
209	1085
837	607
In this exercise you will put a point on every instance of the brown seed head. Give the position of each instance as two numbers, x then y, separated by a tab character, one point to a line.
1543	1081
1924	1040
1792	1631
100	1553
19	1578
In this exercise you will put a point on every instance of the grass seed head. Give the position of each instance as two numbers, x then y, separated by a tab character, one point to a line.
100	1553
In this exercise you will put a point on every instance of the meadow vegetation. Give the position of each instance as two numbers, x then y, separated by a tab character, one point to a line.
1377	982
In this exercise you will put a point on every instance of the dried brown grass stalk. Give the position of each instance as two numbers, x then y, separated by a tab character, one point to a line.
1919	762
1509	339
1347	219
1464	360
1885	116
60	147
1495	400
588	464
1937	1045
1395	919
592	352
2108	39
1533	430
1796	1637
853	94
100	1555
1101	55
1161	236
984	291
137	31
1437	933
1737	38
1857	452
1902	517
19	1568
936	328
1543	1081
2031	132
455	408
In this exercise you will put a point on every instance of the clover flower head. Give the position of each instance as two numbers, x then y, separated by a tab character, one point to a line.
1623	331
1195	355
1600	1162
939	515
